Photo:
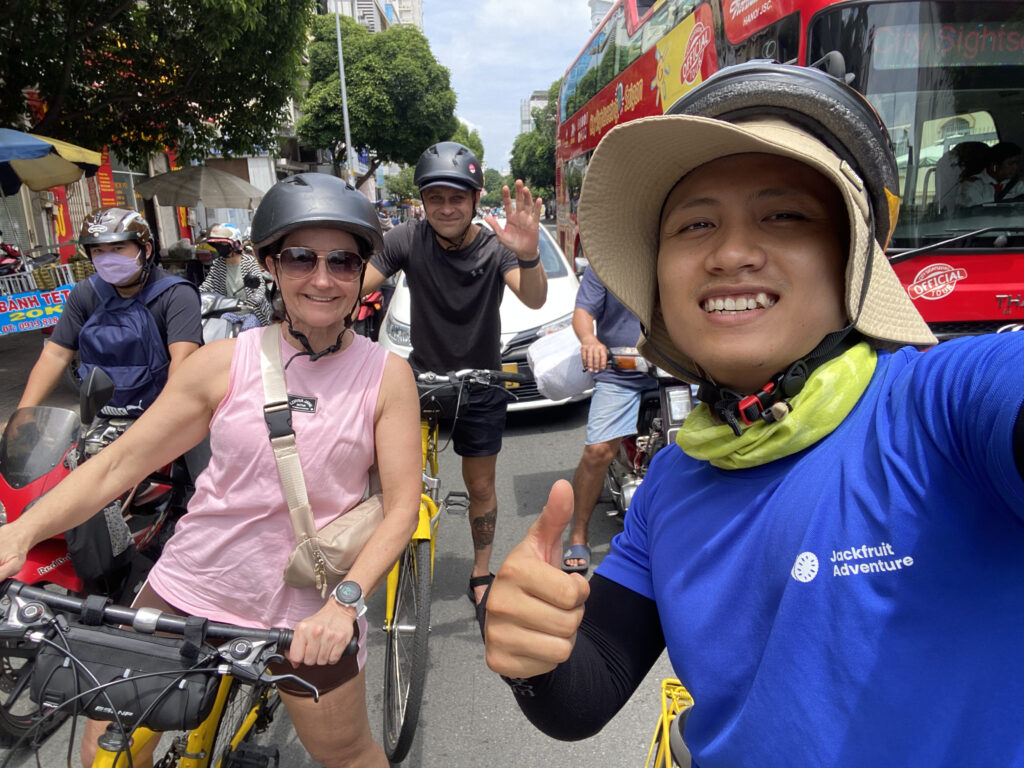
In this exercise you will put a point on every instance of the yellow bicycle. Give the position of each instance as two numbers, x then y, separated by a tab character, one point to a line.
667	749
407	611
99	671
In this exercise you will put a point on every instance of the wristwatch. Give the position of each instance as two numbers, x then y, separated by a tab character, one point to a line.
350	594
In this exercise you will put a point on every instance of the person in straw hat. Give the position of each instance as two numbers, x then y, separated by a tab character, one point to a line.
832	552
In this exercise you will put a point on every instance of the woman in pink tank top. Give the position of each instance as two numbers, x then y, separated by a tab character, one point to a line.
352	404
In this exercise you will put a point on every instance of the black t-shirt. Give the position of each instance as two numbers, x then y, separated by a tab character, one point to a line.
455	295
176	310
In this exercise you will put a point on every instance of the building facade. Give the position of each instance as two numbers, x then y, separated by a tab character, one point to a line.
537	100
598	10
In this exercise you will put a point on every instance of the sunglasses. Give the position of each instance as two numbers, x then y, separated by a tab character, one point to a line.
301	262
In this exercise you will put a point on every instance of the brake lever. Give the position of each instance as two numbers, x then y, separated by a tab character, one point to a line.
295	679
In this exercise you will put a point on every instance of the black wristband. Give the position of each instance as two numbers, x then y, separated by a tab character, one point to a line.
528	264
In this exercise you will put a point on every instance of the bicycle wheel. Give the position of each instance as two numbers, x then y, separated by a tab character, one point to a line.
405	660
242	697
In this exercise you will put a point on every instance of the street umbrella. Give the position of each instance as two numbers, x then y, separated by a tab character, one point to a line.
186	187
40	162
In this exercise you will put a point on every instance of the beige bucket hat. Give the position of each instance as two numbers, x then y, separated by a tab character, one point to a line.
638	163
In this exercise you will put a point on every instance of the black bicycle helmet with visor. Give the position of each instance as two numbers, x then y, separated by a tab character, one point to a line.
309	200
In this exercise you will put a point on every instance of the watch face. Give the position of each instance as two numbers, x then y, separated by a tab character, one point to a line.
349	592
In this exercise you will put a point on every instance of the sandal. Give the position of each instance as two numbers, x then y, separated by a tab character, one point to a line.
477	581
576	552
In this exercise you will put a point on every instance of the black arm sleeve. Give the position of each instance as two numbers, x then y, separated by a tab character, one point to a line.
1018	441
618	642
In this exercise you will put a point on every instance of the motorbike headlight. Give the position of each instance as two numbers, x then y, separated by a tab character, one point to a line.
679	403
398	332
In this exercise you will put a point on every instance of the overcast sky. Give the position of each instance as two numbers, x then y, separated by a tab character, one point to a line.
498	53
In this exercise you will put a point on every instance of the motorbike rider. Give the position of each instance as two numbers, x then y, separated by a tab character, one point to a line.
120	245
601	321
360	406
236	274
457	272
832	550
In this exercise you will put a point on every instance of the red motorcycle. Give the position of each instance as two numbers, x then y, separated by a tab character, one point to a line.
39	448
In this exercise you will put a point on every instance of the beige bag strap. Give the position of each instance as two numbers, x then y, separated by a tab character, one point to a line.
282	437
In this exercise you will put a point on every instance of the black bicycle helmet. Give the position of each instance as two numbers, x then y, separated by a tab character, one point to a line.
449	163
314	200
820	104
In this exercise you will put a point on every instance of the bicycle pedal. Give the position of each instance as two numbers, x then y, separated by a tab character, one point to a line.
247	755
456	503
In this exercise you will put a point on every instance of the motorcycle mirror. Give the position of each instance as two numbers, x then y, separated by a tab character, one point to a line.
97	389
251	281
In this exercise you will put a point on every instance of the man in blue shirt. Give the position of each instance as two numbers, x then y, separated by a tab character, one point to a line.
601	322
831	552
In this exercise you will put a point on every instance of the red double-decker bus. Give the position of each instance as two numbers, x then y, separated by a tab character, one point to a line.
946	77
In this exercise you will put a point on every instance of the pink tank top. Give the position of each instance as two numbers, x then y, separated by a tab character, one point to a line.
226	558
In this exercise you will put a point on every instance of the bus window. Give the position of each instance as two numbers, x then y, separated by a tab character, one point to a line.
664	19
779	41
572	176
946	79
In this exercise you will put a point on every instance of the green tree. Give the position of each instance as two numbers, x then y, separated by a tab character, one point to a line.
399	98
196	76
493	182
402	186
470	139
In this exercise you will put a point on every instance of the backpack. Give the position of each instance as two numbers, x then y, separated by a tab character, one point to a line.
121	337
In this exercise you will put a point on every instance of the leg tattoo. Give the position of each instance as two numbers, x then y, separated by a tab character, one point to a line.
483	528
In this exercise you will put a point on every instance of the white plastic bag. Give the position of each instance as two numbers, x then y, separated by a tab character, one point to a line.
557	366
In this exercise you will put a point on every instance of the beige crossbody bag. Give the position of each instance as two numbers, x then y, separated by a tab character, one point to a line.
320	558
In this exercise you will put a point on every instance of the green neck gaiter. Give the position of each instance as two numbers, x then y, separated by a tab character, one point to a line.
827	398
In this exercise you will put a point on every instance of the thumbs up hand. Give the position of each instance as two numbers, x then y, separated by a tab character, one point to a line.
534	608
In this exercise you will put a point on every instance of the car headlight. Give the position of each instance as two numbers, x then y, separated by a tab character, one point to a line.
398	332
555	325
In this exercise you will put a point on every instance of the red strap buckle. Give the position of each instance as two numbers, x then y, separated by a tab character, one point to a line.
751	407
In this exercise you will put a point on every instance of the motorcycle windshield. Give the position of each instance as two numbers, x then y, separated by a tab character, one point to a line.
34	442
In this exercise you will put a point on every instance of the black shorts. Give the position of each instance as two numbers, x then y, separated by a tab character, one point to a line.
481	421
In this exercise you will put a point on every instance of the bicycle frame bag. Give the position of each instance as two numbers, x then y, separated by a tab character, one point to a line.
179	696
321	558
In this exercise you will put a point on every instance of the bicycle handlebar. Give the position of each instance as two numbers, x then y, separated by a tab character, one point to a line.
150	620
475	375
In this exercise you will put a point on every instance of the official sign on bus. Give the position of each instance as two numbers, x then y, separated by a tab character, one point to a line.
32	311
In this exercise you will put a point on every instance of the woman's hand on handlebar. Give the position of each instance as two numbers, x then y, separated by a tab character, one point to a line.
323	637
534	608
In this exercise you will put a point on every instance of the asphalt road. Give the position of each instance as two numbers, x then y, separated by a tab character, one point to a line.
469	718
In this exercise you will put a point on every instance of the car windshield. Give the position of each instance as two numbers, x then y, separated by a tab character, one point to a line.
945	78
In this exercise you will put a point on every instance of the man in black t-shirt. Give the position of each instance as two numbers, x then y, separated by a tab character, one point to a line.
119	243
457	272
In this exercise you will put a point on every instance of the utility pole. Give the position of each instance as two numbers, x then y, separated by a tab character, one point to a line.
349	156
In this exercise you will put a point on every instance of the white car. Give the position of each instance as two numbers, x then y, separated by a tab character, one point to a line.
520	326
